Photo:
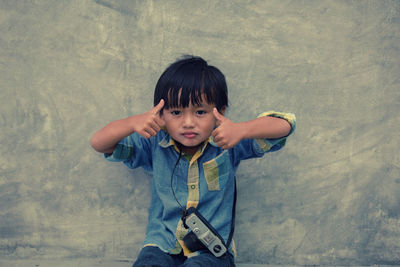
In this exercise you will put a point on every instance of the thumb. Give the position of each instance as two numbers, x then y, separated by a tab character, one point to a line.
220	118
159	107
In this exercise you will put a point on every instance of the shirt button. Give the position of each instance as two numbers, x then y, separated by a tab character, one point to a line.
193	186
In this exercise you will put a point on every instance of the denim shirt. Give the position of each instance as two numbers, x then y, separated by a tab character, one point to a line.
204	181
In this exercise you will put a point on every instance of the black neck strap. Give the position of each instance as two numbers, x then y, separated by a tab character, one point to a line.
228	242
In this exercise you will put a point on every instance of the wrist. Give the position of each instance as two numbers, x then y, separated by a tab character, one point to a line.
242	130
131	123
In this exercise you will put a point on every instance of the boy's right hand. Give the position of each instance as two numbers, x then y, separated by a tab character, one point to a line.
150	123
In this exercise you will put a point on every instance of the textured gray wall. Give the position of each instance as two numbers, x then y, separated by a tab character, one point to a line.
332	196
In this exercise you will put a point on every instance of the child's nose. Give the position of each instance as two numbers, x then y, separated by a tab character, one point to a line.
188	120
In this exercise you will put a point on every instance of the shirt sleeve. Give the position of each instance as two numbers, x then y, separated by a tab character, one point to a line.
270	145
134	151
254	148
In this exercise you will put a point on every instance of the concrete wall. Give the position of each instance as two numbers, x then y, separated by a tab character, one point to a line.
67	68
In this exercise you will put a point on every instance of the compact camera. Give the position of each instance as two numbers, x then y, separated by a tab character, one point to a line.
202	234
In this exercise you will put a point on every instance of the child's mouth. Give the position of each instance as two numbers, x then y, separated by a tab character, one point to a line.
189	135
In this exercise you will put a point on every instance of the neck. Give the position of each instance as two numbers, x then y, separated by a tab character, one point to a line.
188	150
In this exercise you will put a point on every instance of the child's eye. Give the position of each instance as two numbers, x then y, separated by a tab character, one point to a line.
175	112
201	112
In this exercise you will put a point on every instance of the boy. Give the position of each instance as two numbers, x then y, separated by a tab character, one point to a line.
192	151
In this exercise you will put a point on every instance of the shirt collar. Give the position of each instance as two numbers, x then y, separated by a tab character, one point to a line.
166	141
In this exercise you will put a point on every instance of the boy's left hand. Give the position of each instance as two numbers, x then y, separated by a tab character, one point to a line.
228	133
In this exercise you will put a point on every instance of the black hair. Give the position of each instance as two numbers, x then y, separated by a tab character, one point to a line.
186	80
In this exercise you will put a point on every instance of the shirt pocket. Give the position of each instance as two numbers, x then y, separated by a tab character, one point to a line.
216	171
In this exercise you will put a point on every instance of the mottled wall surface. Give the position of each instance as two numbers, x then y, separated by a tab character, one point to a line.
67	68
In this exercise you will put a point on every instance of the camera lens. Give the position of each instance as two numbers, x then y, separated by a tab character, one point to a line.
217	248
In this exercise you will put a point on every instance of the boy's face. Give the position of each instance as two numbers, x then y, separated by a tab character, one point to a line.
190	126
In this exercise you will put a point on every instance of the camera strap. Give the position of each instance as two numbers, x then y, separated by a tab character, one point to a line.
228	242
